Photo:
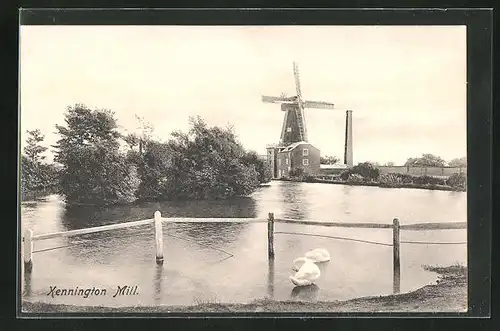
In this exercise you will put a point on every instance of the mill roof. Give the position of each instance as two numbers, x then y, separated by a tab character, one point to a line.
294	145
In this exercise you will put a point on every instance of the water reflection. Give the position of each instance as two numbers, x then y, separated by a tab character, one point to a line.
157	283
27	283
270	278
76	217
305	293
295	201
211	233
346	190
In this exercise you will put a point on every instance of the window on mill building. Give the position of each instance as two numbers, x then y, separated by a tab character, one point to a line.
305	162
305	152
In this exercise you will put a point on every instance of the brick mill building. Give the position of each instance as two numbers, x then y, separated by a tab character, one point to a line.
297	155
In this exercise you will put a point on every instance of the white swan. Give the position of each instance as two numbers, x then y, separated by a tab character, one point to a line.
307	274
316	256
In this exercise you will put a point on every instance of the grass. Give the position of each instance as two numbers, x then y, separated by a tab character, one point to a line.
449	294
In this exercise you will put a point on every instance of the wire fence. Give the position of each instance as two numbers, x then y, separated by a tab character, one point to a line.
157	221
372	242
86	241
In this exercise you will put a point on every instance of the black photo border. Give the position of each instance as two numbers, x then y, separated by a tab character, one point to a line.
479	24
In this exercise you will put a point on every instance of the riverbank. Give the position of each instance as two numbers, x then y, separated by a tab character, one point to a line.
435	187
449	294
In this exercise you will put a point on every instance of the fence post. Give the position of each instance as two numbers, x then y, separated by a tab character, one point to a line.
28	250
159	238
396	260
270	236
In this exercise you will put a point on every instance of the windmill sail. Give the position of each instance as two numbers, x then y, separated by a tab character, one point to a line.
294	128
270	99
318	105
299	110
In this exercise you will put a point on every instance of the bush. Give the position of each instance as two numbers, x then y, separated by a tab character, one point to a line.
366	170
457	180
355	179
423	180
405	178
297	173
389	179
308	178
344	175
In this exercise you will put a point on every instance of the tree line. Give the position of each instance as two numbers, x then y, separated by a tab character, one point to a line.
426	160
92	167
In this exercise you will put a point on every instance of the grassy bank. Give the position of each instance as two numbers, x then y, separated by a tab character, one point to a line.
448	295
383	185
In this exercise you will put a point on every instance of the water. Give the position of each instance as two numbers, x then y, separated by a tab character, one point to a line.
198	267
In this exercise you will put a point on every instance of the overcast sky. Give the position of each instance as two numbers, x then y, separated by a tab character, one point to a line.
405	85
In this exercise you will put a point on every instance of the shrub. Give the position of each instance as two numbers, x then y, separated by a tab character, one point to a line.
389	179
297	172
457	180
355	179
308	178
423	180
366	170
405	178
344	175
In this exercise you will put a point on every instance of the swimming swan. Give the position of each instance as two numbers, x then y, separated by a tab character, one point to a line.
316	255
307	274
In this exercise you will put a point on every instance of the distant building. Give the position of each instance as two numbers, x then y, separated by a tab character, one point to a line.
301	154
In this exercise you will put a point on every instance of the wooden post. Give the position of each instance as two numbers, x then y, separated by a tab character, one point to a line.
396	260
159	238
28	250
270	236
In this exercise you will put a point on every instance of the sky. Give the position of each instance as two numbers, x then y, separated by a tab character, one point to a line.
406	85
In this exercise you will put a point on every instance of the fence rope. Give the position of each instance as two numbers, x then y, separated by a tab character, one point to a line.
84	241
373	242
334	237
434	242
276	232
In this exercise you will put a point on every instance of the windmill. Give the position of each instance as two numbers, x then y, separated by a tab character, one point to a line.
294	124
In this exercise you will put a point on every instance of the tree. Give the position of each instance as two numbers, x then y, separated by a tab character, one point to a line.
329	160
93	170
33	149
34	174
261	166
132	140
426	160
146	131
208	163
153	166
390	164
458	162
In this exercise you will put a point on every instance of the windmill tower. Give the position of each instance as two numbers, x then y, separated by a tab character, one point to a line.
294	127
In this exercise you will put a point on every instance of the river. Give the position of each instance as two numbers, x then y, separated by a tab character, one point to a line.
198	266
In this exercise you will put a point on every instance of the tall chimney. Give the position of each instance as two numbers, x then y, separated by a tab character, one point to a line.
348	139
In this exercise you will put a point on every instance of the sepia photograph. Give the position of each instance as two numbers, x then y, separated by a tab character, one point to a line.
235	169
